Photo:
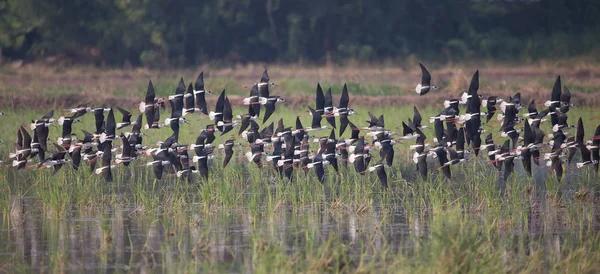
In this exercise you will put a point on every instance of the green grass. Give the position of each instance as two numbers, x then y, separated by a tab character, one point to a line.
465	225
165	86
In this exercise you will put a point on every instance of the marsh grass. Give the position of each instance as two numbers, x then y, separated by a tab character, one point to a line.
472	224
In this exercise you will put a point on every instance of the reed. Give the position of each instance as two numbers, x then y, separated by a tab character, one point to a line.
348	224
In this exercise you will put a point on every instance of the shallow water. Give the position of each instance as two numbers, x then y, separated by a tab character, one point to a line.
125	239
113	233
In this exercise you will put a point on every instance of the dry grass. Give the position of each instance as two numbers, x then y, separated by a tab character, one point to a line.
68	86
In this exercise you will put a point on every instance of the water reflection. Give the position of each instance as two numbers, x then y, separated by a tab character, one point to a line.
119	238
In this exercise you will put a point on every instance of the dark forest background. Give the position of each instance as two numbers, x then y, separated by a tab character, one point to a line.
179	33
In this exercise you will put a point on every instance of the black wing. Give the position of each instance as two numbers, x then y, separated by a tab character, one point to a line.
150	94
328	100
460	142
406	130
254	107
269	109
150	112
220	102
316	118
99	119
189	98
528	137
126	115
138	124
343	123
26	138
265	77
355	131
380	121
556	92
474	86
67	128
417	117
565	96
126	151
329	108
19	143
267	132
453	154
111	124
580	133
320	99
438	126
532	109
106	159
420	141
227	116
425	76
441	154
180	90
48	115
199	85
516	99
344	99
201	102
228	150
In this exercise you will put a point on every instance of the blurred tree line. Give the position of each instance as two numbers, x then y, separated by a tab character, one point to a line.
188	32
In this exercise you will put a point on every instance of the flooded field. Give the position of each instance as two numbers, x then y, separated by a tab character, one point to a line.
246	218
470	225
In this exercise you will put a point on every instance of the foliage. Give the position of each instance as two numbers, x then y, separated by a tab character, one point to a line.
163	33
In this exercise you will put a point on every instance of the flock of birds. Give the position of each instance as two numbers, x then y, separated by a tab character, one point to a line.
288	149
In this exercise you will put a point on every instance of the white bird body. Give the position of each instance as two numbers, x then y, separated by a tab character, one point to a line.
200	91
464	97
314	129
352	158
211	115
173	97
16	163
